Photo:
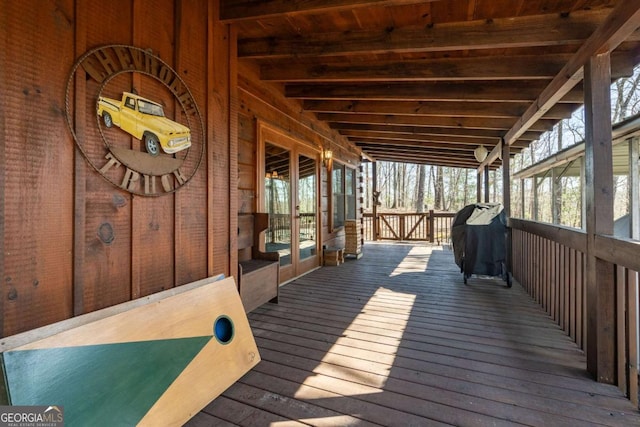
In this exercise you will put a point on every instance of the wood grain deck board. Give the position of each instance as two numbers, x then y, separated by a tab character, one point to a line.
396	338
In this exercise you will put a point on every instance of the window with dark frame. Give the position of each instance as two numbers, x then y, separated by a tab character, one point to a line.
343	194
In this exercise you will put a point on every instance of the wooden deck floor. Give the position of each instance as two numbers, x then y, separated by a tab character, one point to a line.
397	339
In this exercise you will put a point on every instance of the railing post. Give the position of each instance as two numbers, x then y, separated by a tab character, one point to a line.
431	226
506	196
374	205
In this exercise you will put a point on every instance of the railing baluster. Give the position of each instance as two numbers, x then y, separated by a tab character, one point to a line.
621	327
632	343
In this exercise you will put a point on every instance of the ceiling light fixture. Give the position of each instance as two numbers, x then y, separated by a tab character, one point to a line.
480	153
327	155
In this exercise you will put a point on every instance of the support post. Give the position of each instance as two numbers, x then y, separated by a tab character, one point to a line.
600	284
478	187
432	226
486	184
535	199
374	209
583	192
634	188
506	196
556	196
522	203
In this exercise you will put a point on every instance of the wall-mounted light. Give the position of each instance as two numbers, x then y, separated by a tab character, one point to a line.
327	155
480	153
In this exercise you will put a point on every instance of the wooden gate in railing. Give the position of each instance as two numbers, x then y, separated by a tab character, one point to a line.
549	261
428	226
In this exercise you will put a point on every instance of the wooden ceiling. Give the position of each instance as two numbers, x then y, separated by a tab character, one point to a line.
429	81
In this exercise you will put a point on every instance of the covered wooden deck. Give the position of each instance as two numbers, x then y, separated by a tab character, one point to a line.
396	338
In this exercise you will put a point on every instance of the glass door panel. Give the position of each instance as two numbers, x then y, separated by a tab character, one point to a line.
307	207
278	202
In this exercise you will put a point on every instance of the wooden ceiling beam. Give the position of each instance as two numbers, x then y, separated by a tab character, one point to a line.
618	26
486	68
542	125
236	11
461	157
419	137
447	109
421	140
502	33
419	130
444	147
525	91
449	154
382	144
450	69
434	160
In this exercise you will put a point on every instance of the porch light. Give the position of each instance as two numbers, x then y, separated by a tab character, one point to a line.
480	153
326	157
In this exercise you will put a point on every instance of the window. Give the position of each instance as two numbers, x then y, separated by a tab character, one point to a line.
343	194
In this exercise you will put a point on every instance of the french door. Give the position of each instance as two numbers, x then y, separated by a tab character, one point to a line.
288	180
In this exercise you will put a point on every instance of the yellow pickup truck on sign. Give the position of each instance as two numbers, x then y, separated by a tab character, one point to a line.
144	120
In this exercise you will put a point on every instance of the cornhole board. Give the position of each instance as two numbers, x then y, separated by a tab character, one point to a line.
153	361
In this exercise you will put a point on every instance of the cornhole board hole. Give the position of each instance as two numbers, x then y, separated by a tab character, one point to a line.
153	361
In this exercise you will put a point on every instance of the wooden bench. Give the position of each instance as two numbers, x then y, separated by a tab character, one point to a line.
258	272
333	256
153	361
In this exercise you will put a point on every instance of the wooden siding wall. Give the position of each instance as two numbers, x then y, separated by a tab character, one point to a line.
53	264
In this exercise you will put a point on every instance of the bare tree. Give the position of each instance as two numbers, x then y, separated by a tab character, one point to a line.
420	196
438	188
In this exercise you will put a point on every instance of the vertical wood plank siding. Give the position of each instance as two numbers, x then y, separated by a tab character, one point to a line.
54	263
191	201
38	166
558	285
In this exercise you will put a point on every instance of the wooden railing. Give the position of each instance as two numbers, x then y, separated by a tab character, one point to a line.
549	261
428	226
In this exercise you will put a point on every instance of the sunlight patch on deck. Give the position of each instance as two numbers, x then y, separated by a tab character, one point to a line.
354	382
414	262
338	420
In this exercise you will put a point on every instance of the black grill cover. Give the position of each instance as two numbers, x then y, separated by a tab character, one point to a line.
478	235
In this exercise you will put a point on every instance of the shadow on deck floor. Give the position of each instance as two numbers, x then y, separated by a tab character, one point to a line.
397	339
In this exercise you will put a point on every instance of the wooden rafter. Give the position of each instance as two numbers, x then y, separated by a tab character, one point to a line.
412	141
422	159
429	108
234	11
541	30
451	69
419	137
520	91
486	68
429	121
417	130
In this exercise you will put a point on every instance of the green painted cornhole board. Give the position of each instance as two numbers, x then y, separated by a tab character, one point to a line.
154	361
